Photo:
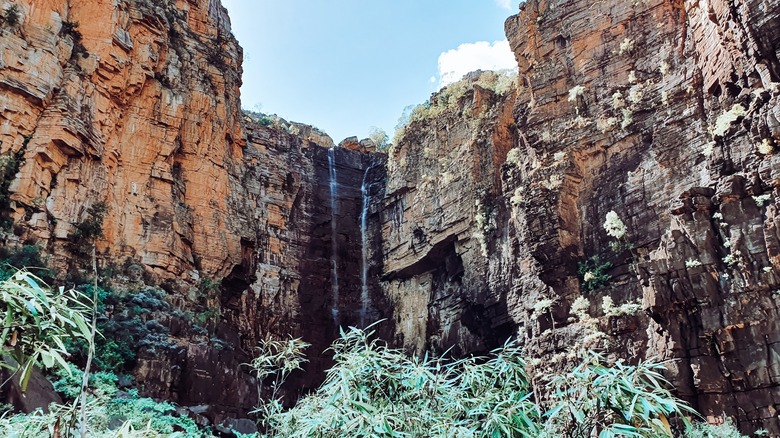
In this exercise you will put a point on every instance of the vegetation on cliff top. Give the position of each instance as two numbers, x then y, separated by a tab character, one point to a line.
449	98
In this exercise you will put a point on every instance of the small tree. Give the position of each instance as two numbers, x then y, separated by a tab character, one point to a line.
380	138
82	240
275	359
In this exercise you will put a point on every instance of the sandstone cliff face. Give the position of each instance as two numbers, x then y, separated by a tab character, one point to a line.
674	130
134	104
665	113
439	217
282	285
292	239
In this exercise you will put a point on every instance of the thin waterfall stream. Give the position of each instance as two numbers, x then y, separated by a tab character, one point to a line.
334	270
364	296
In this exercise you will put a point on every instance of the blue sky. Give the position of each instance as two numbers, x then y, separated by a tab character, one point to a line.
345	66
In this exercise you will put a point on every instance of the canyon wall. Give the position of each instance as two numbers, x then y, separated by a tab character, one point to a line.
663	112
486	220
674	129
134	104
442	279
133	108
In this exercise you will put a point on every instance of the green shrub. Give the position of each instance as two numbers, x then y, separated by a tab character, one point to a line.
68	382
110	413
126	329
29	257
9	166
276	360
450	98
88	230
594	273
380	139
725	430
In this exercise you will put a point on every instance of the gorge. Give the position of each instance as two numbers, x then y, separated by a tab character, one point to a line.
484	220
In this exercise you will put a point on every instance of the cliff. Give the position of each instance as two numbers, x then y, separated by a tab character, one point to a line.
674	129
442	204
133	104
665	113
130	111
658	119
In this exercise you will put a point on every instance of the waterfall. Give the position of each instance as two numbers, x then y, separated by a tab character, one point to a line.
364	298
334	270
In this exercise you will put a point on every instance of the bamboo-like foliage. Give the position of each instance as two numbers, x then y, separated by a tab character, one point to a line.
37	321
376	391
619	400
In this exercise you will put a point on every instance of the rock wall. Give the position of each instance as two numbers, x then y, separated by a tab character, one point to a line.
674	129
439	220
665	113
284	284
135	105
487	220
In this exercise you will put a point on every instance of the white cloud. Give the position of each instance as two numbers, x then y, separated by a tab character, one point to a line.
506	4
432	79
482	55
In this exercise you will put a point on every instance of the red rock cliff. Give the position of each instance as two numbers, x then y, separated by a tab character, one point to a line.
134	104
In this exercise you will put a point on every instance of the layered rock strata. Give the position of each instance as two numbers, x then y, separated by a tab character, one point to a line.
665	113
134	104
132	107
439	218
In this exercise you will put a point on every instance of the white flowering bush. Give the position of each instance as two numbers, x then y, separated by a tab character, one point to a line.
580	308
761	200
615	226
514	157
765	147
610	309
708	148
541	307
576	92
626	46
692	263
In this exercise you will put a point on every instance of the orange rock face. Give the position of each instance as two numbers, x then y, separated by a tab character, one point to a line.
135	105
